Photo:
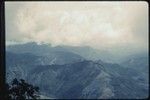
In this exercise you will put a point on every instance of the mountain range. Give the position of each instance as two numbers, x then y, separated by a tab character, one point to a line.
77	72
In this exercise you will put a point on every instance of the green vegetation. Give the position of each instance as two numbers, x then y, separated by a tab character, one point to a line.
21	90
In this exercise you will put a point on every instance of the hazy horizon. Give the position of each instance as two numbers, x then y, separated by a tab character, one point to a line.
78	50
118	27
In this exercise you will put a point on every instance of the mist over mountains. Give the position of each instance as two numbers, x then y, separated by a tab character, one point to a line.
85	51
78	72
79	50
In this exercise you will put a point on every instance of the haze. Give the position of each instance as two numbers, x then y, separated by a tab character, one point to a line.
118	27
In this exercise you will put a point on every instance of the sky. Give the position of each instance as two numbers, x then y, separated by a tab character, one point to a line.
119	27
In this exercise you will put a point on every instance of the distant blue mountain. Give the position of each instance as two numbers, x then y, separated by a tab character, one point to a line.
45	49
88	52
64	73
138	62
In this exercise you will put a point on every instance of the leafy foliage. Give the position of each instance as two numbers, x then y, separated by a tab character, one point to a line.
21	90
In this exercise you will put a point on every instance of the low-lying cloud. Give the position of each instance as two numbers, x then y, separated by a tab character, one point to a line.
102	25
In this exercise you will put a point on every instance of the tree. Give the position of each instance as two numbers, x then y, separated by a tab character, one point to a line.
21	90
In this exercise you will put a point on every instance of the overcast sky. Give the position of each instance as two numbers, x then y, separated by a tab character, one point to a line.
115	26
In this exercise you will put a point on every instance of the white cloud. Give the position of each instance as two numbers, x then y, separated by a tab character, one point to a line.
100	25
